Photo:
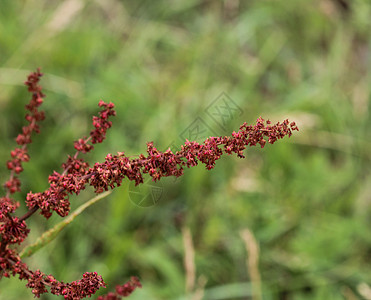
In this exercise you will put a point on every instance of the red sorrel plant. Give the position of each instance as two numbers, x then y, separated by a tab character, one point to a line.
77	174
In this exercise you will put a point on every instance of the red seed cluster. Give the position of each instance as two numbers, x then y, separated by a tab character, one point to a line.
13	230
85	287
101	123
34	116
157	164
124	290
7	206
73	178
77	174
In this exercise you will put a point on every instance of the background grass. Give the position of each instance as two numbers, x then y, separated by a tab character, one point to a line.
305	199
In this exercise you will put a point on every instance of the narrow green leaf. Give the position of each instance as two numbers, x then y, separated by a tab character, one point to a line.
52	233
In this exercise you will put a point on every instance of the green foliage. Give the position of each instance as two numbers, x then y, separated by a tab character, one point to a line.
307	199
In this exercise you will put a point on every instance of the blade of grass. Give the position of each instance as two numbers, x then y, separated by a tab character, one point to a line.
52	233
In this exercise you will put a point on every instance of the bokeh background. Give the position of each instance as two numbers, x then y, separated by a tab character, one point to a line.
291	221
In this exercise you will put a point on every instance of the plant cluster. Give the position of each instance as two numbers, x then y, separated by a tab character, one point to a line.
77	174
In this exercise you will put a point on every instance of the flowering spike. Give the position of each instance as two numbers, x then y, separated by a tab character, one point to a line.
109	174
20	155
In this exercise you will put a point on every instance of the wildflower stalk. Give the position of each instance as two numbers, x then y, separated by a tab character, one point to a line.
77	174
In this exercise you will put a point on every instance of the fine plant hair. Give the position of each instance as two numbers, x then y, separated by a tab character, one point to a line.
77	174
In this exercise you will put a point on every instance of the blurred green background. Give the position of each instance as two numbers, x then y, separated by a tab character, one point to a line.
166	64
